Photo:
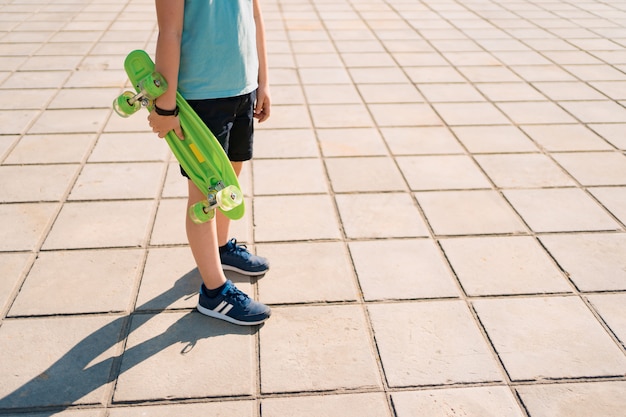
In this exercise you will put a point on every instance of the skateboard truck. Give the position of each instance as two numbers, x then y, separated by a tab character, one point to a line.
226	198
149	88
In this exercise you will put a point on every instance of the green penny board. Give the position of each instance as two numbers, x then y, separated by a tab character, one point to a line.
200	154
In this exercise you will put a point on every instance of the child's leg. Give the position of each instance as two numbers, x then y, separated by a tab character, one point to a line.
223	222
203	243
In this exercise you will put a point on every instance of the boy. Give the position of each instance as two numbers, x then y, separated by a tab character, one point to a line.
213	52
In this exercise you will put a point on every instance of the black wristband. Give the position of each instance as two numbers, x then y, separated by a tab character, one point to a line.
162	112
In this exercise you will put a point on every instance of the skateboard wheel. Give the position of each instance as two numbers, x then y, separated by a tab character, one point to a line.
154	85
122	105
201	212
228	198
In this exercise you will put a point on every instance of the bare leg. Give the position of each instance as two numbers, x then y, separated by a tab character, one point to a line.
203	243
223	222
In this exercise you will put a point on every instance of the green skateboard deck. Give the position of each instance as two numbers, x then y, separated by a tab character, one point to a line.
200	154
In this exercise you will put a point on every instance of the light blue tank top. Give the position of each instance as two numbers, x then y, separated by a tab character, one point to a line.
218	49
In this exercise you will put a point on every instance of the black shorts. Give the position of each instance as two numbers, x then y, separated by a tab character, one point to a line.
231	120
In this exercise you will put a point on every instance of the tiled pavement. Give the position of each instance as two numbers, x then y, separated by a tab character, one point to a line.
441	190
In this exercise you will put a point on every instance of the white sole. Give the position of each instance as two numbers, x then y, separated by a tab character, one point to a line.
224	317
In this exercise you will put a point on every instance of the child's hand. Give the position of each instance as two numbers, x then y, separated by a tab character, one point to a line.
262	105
161	125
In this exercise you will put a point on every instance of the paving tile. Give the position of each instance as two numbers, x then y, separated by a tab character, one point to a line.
12	268
118	181
22	226
77	349
434	74
535	113
307	272
351	142
303	176
503	265
361	214
13	122
93	412
302	217
559	210
511	91
563	138
25	183
568	90
442	172
214	409
287	143
6	144
169	225
378	75
100	225
324	76
489	74
70	121
451	93
613	133
594	262
610	308
493	139
178	345
421	140
595	111
35	79
25	99
121	147
407	269
336	116
364	174
614	199
47	292
390	93
523	170
364	405
575	400
300	350
51	149
431	343
551	337
595	168
469	212
331	94
495	401
464	114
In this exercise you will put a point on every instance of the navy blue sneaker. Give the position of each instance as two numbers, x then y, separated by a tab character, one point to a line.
237	258
233	305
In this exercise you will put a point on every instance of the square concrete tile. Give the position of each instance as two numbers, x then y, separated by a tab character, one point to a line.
606	399
613	198
129	147
70	121
331	94
523	171
595	168
304	176
25	99
51	149
469	212
594	262
302	217
431	343
175	184
213	409
118	181
495	401
300	350
362	405
364	174
169	225
503	265
451	93
361	215
13	266
22	226
536	112
340	115
611	309
563	138
184	347
398	115
15	122
402	269
559	210
464	114
170	280
493	139
549	337
284	143
24	183
564	90
307	272
77	349
100	225
351	142
91	282
421	140
595	111
389	93
443	172
510	92
614	133
84	98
